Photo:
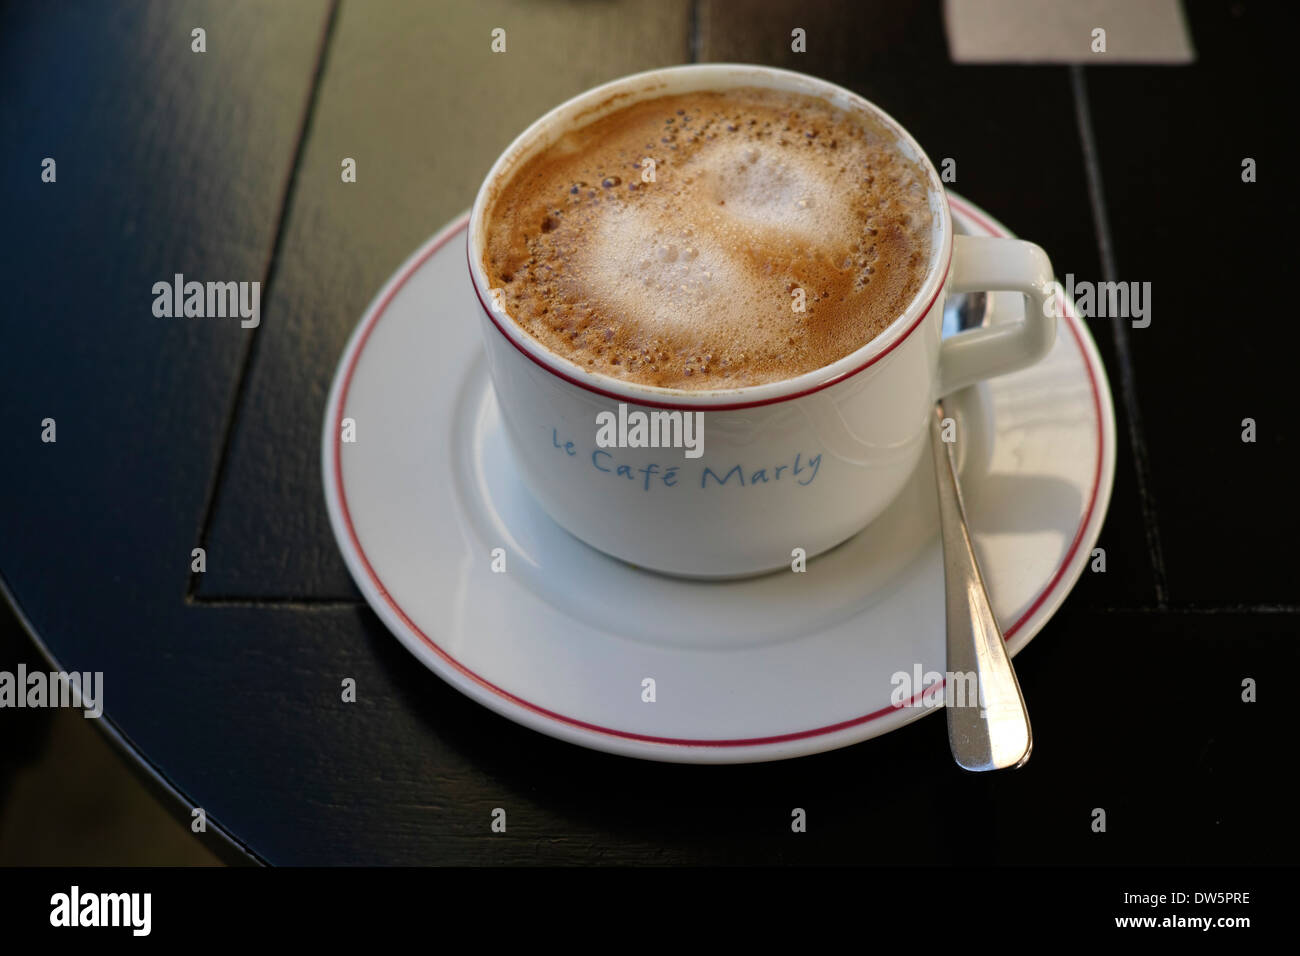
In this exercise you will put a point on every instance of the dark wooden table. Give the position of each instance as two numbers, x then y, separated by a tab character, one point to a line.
181	433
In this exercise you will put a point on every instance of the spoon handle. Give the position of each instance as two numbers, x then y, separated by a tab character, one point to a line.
988	725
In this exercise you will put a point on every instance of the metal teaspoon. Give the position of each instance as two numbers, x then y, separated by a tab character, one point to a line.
991	732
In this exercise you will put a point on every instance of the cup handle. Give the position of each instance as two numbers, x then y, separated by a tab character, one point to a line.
981	264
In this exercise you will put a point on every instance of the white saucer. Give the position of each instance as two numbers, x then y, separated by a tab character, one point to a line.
759	669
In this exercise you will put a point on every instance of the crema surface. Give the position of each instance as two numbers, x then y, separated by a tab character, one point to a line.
772	235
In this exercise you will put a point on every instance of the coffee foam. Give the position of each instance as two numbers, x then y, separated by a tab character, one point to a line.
688	281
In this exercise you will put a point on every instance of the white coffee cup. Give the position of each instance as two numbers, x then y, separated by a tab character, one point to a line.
800	464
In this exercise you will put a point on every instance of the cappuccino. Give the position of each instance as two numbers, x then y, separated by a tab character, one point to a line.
712	240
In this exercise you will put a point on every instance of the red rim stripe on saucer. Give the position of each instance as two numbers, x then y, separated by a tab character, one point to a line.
457	229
